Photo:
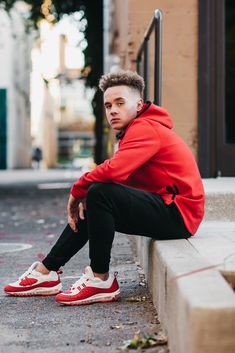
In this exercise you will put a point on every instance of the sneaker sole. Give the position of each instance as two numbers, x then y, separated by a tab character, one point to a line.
98	298
37	292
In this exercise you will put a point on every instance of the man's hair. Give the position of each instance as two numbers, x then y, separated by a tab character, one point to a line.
122	77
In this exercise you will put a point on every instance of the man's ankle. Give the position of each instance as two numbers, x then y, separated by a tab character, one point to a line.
102	276
42	269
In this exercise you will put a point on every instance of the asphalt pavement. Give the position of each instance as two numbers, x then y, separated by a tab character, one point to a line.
31	219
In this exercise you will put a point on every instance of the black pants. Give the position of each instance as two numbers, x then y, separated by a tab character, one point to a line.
110	208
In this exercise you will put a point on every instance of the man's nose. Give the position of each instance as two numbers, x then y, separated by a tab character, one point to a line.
113	110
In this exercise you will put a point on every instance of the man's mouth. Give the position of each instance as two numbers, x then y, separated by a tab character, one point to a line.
114	120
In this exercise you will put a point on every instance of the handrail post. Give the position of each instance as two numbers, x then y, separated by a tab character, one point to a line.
158	58
144	50
146	69
139	66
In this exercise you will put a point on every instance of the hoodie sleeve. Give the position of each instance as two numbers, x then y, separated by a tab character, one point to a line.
139	144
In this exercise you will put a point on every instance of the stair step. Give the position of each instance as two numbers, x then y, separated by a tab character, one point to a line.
220	199
215	242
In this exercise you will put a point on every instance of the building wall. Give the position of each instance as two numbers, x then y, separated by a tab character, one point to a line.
180	54
45	93
58	99
14	77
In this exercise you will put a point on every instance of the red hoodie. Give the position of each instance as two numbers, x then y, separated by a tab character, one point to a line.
153	158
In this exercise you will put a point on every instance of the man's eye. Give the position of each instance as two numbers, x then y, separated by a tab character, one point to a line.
107	106
119	104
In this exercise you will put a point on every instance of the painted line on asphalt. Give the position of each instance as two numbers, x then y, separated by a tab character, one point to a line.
11	247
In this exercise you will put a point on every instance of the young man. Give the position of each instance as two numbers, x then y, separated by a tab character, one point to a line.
151	187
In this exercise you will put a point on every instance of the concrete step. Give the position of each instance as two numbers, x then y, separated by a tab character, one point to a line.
215	242
195	303
220	199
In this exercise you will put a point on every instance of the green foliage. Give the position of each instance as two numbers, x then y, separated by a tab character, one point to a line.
7	4
93	12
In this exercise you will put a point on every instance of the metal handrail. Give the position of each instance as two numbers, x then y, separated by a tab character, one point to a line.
156	25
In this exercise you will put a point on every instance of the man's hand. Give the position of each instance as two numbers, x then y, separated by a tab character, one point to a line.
82	208
74	211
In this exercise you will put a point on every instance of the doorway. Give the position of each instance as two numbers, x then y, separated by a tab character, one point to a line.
216	88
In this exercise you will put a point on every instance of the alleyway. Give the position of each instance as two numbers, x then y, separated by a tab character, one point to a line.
36	217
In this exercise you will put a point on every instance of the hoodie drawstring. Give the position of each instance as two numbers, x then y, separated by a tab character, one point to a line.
173	190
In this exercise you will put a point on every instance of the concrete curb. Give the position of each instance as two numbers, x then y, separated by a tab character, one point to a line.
195	303
196	309
218	206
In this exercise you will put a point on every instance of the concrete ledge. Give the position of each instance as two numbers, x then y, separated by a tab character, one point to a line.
220	196
215	241
196	307
191	280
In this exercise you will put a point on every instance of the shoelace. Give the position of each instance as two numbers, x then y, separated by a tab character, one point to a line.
30	269
83	279
80	281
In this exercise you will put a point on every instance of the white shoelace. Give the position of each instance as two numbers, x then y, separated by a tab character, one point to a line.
28	272
80	281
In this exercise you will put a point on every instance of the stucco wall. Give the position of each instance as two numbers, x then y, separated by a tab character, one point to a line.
180	54
15	47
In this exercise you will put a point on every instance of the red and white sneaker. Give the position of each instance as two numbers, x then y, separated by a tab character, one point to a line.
90	289
35	283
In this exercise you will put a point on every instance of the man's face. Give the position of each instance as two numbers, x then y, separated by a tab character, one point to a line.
122	104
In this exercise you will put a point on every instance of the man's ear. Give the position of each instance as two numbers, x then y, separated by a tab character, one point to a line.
140	104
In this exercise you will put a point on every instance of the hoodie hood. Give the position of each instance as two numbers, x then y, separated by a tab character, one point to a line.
151	112
155	113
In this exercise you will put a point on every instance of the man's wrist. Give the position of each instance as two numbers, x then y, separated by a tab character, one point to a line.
74	192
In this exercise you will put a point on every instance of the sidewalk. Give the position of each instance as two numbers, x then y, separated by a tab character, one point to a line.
22	177
32	219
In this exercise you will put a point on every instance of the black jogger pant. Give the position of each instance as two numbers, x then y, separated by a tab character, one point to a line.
110	208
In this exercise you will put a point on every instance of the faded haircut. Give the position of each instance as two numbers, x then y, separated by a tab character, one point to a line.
122	77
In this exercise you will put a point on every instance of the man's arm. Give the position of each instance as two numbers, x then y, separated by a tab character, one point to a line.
139	144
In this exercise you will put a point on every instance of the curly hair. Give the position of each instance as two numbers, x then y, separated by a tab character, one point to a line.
122	77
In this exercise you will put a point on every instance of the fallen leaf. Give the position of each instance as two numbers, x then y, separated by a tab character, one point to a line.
144	341
136	299
142	284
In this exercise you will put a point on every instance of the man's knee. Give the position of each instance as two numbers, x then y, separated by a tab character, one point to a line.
95	188
99	189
